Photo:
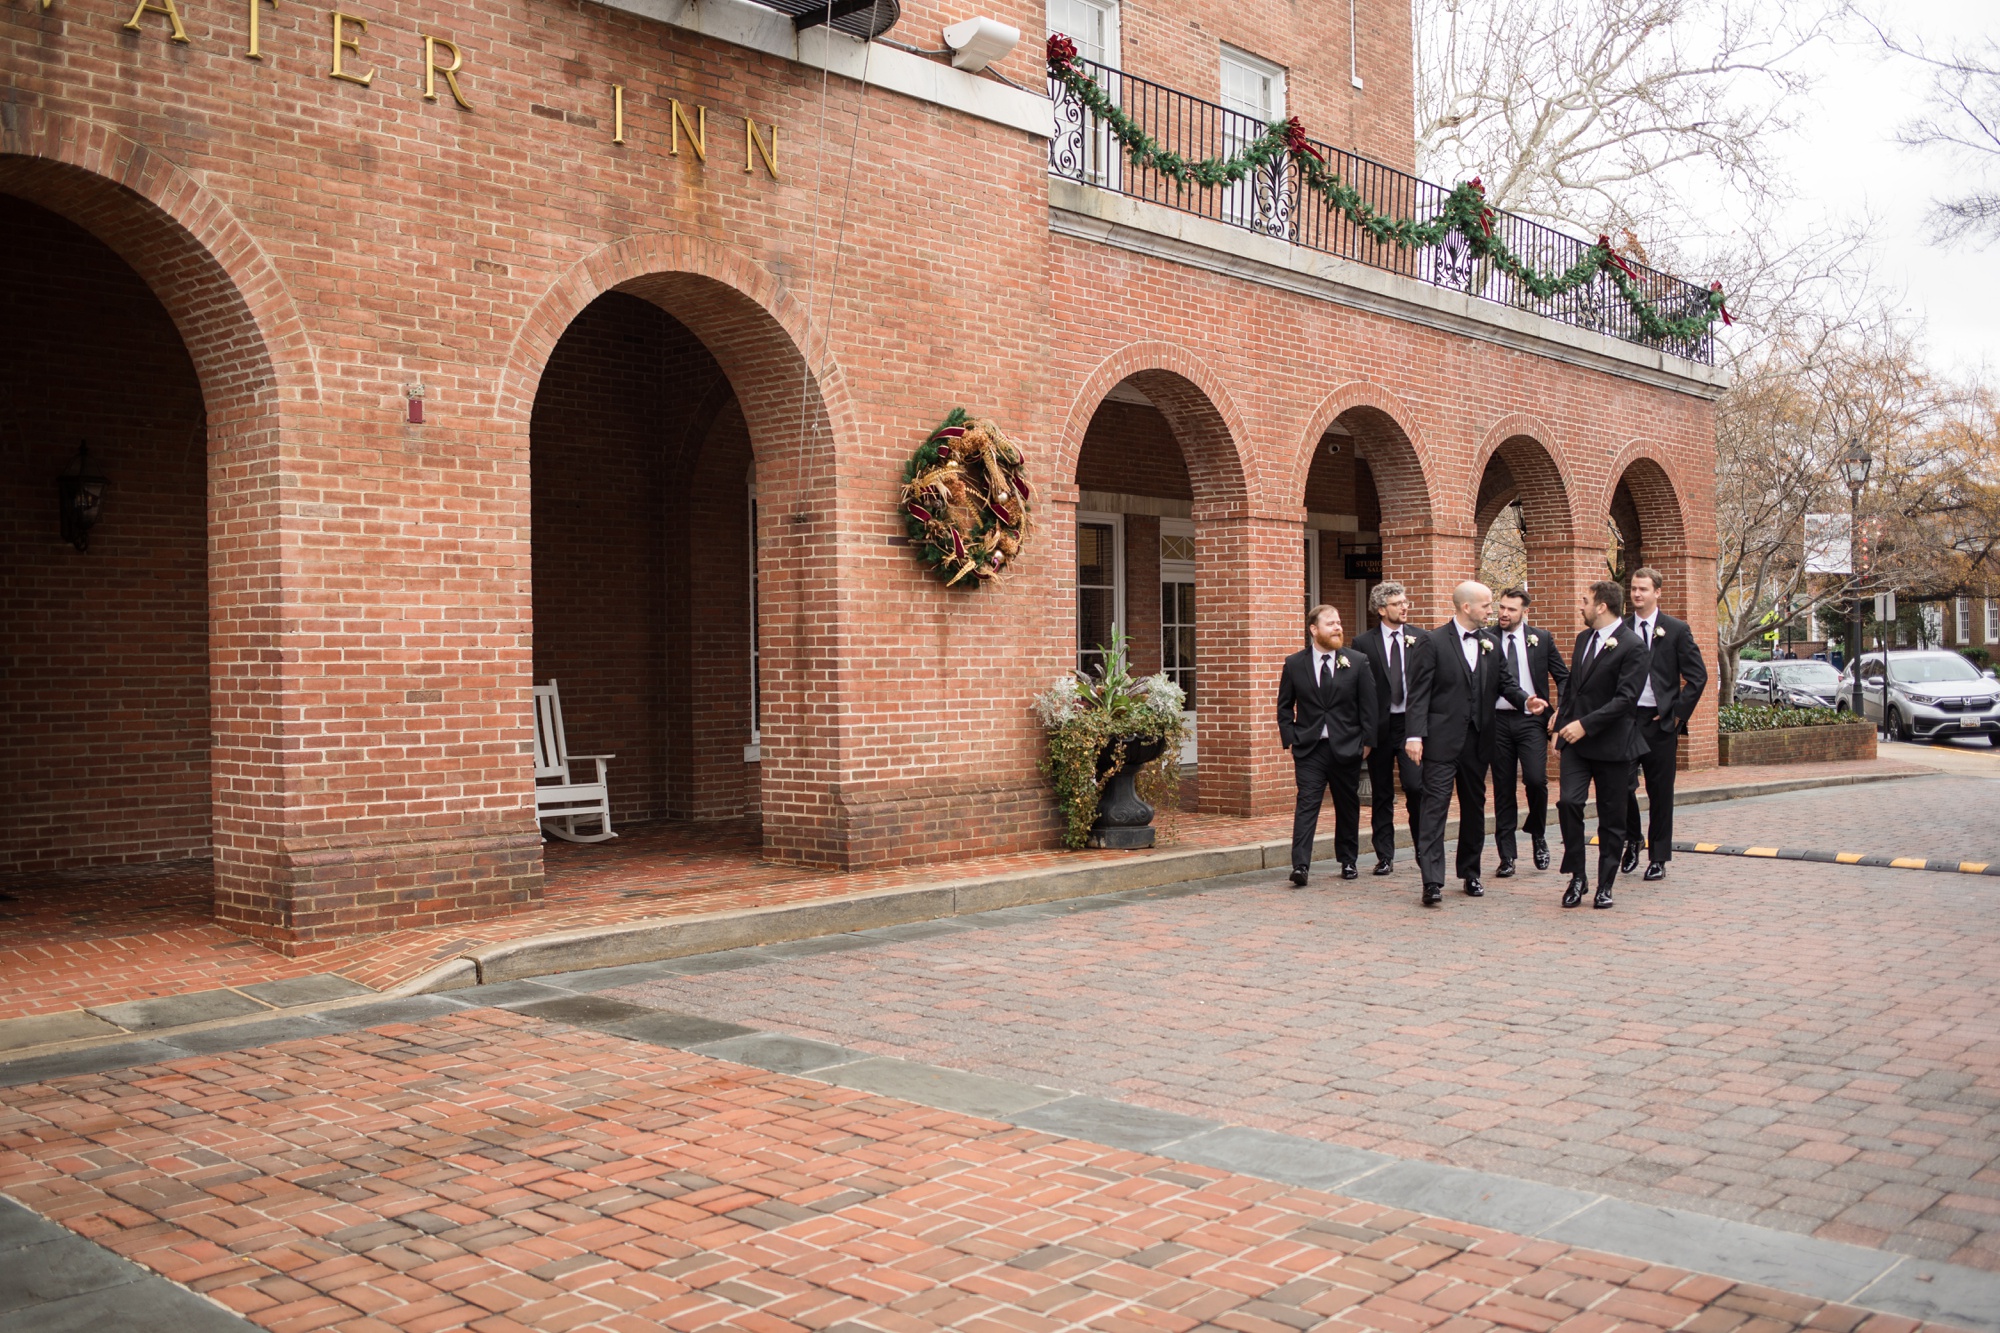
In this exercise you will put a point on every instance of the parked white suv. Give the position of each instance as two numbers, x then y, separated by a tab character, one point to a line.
1932	693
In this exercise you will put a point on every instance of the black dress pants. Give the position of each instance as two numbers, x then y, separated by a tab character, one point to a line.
1319	770
1389	767
1466	774
1613	779
1657	767
1520	745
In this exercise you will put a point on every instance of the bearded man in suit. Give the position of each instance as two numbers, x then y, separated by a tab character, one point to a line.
1520	741
1597	735
1389	648
1675	679
1326	717
1456	682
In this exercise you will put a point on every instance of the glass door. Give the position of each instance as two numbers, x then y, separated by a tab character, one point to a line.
1177	626
1093	26
1253	95
1100	587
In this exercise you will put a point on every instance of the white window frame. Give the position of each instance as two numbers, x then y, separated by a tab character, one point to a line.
1239	201
1106	157
1992	621
1962	620
754	752
1183	571
1116	522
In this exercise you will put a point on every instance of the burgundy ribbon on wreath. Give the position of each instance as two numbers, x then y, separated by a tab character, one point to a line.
1061	52
1296	141
1604	244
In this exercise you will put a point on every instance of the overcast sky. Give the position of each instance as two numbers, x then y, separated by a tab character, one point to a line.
1846	161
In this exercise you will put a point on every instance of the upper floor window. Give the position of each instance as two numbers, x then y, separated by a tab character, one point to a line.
1962	620
1252	86
1091	24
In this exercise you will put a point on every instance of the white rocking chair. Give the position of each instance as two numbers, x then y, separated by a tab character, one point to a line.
563	801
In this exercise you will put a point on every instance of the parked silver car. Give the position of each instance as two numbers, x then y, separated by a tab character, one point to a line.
1788	684
1932	693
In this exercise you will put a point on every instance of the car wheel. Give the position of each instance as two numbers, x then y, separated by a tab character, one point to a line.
1898	729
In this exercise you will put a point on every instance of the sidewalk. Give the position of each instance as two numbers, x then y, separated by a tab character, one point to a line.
77	941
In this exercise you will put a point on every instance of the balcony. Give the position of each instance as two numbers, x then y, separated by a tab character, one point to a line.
1273	202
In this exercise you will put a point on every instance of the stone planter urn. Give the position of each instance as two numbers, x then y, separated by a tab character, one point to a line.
1124	819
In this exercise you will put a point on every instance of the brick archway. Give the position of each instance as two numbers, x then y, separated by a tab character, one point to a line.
258	378
1205	421
796	415
1517	461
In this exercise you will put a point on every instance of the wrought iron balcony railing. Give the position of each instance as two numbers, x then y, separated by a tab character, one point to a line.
1272	202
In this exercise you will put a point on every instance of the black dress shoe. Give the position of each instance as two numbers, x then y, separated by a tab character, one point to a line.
1347	870
1299	877
1506	870
1474	889
1433	894
1573	895
1385	867
1655	870
1630	861
1603	898
1541	854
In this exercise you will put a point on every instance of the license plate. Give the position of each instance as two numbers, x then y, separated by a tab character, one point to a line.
1968	722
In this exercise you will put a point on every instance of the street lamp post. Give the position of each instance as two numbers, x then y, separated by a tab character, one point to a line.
1854	465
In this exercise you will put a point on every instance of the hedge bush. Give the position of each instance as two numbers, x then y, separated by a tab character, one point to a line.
1764	717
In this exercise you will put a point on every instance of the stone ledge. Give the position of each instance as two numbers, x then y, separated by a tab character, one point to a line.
1109	218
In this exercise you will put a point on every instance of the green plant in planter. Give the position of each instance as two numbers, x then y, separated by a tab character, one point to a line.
1088	716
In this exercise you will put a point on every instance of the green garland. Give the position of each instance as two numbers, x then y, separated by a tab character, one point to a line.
965	501
1465	210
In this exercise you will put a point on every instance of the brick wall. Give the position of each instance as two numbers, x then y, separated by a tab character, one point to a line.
382	594
103	653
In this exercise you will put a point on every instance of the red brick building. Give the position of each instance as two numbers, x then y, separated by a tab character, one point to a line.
432	350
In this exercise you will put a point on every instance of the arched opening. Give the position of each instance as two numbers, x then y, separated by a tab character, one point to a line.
1155	455
1643	525
1369	505
675	444
104	687
1521	519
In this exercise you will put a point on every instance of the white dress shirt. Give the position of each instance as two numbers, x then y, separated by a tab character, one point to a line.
1468	646
1644	629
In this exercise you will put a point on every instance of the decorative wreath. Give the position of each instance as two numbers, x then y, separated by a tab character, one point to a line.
965	500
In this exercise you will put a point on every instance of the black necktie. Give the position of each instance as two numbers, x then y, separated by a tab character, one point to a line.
1589	655
1325	677
1396	667
1514	660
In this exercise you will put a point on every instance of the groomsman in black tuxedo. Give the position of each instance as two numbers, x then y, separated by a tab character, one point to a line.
1389	648
1598	738
1674	683
1521	742
1326	715
1456	682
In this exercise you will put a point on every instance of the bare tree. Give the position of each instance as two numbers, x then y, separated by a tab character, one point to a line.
1609	115
1962	119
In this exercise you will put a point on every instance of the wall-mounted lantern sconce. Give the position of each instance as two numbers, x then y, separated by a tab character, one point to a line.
82	498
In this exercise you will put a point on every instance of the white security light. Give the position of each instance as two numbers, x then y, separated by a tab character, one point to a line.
977	43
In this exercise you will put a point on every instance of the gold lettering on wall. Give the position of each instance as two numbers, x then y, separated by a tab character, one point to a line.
697	132
165	7
256	12
342	44
618	113
432	69
754	142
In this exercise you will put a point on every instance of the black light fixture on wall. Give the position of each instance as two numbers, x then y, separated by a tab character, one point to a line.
81	496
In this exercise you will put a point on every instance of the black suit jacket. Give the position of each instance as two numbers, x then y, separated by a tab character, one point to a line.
1445	699
1603	696
1679	674
1375	648
1545	663
1347	710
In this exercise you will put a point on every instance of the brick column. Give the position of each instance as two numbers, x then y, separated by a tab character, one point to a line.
1247	569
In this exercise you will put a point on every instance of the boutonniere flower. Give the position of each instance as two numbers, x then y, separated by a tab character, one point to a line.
1534	642
1609	644
1485	647
1659	631
1409	640
1341	659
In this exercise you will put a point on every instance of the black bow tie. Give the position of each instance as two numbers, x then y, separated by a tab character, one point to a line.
1468	634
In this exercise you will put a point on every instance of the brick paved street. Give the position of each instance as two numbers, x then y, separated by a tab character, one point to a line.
1935	817
491	1171
1808	1048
